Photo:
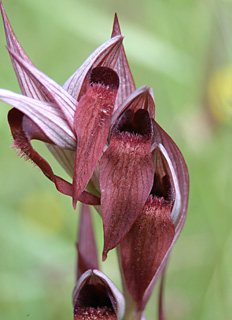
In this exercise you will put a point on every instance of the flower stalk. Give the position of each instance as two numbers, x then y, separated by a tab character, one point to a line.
103	132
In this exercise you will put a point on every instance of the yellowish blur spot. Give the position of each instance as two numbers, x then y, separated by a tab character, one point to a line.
41	212
220	94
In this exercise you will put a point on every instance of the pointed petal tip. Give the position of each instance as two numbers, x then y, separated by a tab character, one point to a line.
2	8
116	27
104	255
74	203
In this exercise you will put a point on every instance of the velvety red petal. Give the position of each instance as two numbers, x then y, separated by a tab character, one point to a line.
91	124
22	142
145	246
127	85
174	165
86	245
126	176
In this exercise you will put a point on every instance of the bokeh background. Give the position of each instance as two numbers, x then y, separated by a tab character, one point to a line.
182	49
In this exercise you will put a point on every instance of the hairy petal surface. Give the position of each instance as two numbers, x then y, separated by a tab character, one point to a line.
145	245
127	85
96	297
86	245
92	122
22	142
106	56
126	175
169	162
47	117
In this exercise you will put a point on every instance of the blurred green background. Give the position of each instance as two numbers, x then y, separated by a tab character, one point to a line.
182	49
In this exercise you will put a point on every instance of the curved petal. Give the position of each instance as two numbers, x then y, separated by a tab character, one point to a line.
126	176
47	116
92	123
96	295
22	142
127	85
179	173
180	178
106	55
145	246
52	91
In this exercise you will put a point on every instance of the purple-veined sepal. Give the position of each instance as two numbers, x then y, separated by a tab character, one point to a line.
126	85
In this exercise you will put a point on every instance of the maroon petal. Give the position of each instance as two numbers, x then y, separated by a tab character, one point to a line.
127	85
86	245
19	129
169	162
91	124
126	175
145	246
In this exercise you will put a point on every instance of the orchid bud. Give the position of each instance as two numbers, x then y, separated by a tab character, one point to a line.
96	297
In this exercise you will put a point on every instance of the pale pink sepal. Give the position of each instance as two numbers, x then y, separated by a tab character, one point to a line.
106	55
46	115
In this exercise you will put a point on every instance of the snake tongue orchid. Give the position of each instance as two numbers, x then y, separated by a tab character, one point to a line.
59	116
104	134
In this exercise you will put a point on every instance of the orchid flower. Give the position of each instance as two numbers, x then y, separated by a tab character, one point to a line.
95	296
102	130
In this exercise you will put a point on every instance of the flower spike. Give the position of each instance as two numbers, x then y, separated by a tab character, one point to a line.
104	134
